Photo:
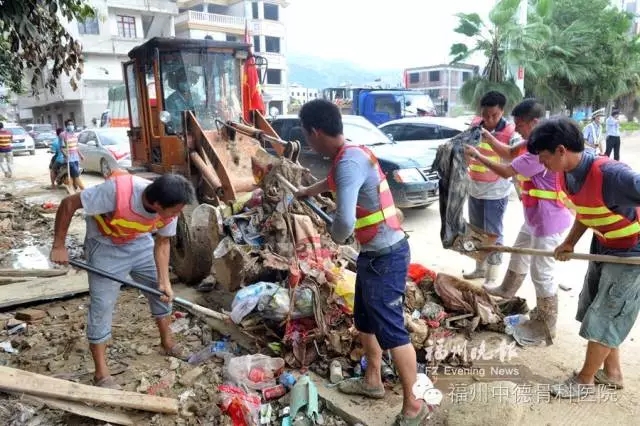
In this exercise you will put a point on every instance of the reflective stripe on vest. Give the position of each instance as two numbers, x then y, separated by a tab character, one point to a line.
478	171
5	138
368	222
612	229
124	224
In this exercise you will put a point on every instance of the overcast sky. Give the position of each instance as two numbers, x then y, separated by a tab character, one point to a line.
391	34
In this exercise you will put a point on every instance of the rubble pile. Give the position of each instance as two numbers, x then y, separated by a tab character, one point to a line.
20	222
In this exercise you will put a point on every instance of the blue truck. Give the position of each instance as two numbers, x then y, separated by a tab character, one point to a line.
380	105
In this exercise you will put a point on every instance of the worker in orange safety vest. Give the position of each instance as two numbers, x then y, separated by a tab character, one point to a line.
546	220
365	207
488	192
121	215
6	151
606	197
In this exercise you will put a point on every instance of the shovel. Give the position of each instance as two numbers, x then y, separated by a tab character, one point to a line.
196	309
478	245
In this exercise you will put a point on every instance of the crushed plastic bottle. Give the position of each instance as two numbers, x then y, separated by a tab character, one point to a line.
512	321
218	348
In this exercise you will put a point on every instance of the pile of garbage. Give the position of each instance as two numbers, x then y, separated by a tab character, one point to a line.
19	220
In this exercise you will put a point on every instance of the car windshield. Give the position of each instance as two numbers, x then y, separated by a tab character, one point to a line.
205	82
17	130
364	134
41	128
114	138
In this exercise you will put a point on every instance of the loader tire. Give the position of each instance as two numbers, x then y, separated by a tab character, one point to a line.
191	249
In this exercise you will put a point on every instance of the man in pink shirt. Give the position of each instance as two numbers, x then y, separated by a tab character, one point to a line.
546	219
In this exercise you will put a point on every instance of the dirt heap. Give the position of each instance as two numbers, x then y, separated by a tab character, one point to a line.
21	222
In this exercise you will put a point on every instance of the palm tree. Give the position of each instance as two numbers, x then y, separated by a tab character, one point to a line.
503	41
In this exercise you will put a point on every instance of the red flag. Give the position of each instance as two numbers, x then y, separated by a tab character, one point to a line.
251	93
406	79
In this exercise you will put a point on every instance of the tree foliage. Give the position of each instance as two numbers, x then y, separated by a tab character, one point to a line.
33	38
573	52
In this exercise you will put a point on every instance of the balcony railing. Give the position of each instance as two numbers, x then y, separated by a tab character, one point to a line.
152	6
214	19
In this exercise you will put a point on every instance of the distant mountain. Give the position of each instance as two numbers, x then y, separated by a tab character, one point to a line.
321	73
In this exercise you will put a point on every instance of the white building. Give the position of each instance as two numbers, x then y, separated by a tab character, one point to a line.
227	20
300	94
120	26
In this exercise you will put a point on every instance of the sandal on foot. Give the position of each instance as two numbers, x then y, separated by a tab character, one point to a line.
358	387
601	378
179	352
423	414
107	382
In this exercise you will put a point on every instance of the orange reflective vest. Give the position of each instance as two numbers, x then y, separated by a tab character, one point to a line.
613	230
478	171
124	225
530	194
368	222
5	140
70	143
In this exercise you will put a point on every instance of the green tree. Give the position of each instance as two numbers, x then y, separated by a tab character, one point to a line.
596	58
33	38
503	41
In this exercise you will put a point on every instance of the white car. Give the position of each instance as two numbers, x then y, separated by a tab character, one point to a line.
414	129
21	142
104	149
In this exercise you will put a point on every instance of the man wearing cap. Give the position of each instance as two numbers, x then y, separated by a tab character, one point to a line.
593	133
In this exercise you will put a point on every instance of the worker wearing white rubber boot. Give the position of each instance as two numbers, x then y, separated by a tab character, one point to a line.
489	193
546	220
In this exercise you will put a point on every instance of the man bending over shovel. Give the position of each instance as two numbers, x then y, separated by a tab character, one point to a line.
606	195
546	219
121	214
365	207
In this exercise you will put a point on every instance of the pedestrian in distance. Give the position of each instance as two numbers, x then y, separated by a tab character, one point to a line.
6	151
593	133
613	135
365	208
121	215
606	197
72	154
58	159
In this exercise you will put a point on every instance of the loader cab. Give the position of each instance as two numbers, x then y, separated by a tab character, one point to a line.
167	76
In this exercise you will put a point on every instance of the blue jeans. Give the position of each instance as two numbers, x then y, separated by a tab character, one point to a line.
379	298
487	215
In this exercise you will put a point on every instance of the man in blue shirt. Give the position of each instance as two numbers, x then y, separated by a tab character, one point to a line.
593	133
57	160
613	135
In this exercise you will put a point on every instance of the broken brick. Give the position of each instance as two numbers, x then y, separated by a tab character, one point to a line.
30	315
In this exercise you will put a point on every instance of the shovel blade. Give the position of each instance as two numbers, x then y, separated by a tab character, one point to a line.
474	237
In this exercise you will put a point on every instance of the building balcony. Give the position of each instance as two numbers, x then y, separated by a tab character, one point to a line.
210	22
110	45
147	7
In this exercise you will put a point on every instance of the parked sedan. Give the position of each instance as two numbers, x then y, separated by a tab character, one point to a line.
408	167
21	142
104	150
423	129
43	134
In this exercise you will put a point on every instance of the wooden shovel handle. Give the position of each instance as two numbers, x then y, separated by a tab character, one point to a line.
580	256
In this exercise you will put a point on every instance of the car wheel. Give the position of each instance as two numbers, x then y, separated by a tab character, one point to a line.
105	170
32	152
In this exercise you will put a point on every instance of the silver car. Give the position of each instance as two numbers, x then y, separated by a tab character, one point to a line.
21	142
104	150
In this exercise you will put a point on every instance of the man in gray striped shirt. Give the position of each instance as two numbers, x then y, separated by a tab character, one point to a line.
613	135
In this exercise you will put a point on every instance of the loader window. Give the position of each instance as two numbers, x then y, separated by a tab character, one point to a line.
205	82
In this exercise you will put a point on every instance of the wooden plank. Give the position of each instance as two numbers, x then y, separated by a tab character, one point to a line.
42	273
81	409
42	289
21	381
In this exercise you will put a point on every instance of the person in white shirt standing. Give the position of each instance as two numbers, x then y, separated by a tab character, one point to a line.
613	135
592	133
